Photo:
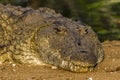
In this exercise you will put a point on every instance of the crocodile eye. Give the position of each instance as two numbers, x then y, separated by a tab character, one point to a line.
57	30
82	31
60	30
86	31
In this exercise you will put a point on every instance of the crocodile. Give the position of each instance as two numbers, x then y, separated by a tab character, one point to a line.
42	36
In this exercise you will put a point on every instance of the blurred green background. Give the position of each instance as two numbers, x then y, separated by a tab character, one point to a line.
102	15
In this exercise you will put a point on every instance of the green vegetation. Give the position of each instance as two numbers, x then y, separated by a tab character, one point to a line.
102	15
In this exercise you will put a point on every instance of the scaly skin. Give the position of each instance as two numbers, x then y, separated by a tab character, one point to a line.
30	36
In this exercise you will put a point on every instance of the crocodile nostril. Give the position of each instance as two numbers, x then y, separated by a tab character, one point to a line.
79	43
83	51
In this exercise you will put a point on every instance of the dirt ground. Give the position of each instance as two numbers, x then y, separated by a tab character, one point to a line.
109	69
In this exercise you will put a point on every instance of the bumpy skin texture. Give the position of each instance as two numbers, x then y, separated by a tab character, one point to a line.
30	36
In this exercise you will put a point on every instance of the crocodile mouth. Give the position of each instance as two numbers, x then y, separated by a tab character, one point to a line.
82	67
78	68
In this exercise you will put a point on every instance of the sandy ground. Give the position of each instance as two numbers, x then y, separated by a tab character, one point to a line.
109	69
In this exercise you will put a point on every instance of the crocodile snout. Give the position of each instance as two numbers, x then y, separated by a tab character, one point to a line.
80	62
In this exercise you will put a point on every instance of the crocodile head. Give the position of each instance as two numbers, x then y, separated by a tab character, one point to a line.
62	42
69	45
